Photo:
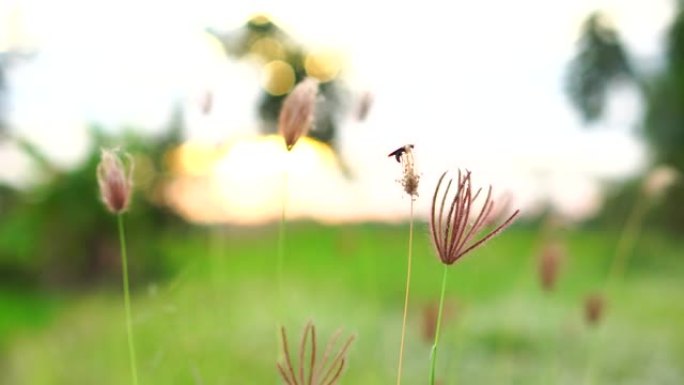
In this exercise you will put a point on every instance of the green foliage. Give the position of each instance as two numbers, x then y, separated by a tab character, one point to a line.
214	322
664	121
58	231
601	62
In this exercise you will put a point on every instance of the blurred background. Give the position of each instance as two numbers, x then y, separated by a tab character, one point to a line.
572	110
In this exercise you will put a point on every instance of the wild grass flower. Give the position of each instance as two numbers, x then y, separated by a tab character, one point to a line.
327	371
116	184
409	181
458	228
115	178
454	234
298	111
594	306
410	178
550	261
295	120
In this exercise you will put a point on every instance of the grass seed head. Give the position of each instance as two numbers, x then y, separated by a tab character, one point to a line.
594	307
310	371
410	178
454	232
298	111
550	262
115	178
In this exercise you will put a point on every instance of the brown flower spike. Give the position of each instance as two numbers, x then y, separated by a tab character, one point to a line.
115	180
453	232
297	113
594	306
326	372
549	265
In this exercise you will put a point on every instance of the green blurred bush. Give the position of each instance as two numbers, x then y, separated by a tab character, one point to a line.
58	233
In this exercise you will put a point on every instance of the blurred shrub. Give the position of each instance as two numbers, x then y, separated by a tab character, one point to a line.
58	233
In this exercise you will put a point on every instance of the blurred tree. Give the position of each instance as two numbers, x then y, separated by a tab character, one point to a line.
286	63
601	62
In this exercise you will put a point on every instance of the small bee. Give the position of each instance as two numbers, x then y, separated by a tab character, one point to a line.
400	151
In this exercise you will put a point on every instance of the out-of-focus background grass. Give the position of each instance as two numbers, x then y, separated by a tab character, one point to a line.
597	179
213	321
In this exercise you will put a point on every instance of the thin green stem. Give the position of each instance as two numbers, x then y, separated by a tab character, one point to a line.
625	244
623	249
406	297
433	354
281	241
127	301
280	258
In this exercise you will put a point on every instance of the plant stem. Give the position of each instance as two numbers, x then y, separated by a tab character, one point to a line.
281	240
623	250
433	354
625	244
127	301
406	298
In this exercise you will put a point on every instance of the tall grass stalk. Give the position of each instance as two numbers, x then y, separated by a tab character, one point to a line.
406	297
127	301
433	353
455	235
282	233
625	244
623	249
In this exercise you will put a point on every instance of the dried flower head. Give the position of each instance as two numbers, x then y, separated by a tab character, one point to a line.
454	232
114	177
549	264
297	113
326	372
594	306
410	179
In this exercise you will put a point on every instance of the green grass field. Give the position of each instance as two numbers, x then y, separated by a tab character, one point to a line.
214	322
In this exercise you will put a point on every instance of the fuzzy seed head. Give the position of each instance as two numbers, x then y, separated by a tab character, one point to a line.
115	180
298	111
454	231
409	180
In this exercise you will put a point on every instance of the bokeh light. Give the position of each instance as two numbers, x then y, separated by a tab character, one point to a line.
278	77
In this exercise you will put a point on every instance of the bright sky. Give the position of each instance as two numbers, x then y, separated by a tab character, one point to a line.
476	84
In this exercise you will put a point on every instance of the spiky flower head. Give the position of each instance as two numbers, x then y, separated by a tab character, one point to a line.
410	178
454	232
325	372
298	110
115	178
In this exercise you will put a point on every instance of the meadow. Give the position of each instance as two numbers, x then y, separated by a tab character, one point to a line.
214	320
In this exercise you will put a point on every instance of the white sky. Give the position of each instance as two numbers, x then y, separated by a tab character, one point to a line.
475	84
